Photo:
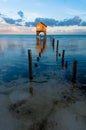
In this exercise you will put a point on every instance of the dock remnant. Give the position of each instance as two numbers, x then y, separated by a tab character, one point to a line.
74	71
30	64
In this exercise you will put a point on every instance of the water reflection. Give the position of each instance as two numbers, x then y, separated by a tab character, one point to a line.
14	52
31	88
41	45
12	46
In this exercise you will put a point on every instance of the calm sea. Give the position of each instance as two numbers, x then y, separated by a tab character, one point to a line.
14	57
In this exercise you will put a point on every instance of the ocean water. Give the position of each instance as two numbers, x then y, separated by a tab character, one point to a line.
51	100
14	56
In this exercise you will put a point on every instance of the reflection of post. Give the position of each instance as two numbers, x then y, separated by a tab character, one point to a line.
63	52
66	64
31	89
40	45
73	89
39	54
74	71
38	59
30	64
56	56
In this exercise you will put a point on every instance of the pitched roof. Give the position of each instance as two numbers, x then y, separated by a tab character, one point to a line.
43	24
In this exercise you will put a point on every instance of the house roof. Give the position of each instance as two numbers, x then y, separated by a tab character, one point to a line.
42	23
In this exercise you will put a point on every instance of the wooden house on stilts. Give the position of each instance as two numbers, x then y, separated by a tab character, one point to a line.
41	27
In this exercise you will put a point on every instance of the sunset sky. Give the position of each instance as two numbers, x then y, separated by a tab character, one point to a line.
17	15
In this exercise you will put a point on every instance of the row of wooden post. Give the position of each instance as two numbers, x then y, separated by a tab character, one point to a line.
30	63
74	71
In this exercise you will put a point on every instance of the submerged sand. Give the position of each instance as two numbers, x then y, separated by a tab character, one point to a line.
41	105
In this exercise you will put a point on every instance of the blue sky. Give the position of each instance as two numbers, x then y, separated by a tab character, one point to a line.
58	9
24	12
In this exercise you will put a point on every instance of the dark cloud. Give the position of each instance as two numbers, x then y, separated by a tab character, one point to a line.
47	21
12	21
18	20
72	21
9	20
21	14
28	24
52	22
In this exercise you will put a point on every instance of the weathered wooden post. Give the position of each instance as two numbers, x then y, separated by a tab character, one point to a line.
63	52
53	41
74	71
30	64
57	45
57	50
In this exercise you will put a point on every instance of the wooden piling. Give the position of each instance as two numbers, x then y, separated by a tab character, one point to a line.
63	52
53	41
30	64
57	45
74	71
57	50
62	62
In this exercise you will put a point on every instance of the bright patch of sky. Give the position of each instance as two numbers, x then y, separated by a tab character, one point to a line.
58	9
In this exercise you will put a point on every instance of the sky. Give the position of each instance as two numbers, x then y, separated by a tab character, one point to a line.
24	14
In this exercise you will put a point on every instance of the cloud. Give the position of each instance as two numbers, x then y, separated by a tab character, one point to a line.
11	20
21	14
76	20
13	29
47	21
67	30
52	22
72	21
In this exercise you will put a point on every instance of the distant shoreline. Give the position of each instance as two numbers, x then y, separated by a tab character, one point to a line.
49	34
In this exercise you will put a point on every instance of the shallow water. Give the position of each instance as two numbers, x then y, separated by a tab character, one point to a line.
14	58
51	97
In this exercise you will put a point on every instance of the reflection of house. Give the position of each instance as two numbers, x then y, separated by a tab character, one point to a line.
41	27
40	45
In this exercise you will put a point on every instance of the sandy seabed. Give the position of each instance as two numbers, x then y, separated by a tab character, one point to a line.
41	105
